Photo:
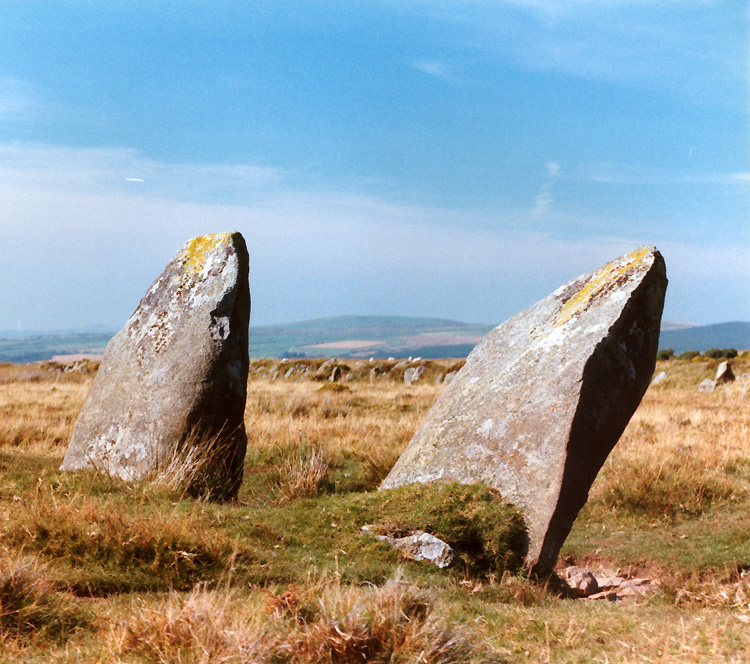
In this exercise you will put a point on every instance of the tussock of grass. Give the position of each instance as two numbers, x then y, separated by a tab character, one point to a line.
95	549
202	626
392	623
333	387
378	463
714	590
30	607
473	519
675	487
326	622
300	475
200	466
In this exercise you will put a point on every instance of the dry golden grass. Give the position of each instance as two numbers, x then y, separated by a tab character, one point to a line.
323	622
39	414
357	420
681	450
31	608
671	502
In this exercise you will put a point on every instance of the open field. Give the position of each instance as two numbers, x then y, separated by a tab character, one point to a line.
95	570
358	337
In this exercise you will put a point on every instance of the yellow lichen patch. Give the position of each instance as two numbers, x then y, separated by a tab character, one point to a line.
195	251
601	282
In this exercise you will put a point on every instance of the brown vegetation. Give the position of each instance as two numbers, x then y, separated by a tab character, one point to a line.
95	570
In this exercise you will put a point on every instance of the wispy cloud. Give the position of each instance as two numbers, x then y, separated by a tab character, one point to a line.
104	169
625	174
553	168
694	48
71	213
435	68
543	202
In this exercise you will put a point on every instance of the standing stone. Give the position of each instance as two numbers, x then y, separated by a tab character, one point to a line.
544	397
724	373
175	375
413	374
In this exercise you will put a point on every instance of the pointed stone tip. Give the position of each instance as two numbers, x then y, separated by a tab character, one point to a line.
194	252
605	279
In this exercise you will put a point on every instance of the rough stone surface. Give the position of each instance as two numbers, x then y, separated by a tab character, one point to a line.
607	584
413	374
176	372
582	581
545	396
724	373
706	385
420	545
659	378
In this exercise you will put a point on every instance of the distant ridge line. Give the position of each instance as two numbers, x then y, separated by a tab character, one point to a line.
361	336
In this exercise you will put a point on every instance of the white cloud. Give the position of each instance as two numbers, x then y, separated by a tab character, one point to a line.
102	168
543	202
694	48
81	245
434	68
553	168
626	174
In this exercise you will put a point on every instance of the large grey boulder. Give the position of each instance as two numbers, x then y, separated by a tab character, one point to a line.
544	397
172	384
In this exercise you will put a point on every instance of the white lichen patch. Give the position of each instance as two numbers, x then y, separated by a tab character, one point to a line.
219	328
475	451
485	428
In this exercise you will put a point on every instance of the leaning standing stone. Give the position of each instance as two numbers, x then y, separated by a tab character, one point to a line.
173	382
545	396
724	373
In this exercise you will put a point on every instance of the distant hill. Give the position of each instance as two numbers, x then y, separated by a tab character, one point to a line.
35	347
386	336
363	336
367	336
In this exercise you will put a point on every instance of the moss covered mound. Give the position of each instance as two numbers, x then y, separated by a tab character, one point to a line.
485	530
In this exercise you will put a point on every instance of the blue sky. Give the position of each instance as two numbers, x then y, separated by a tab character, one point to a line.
427	158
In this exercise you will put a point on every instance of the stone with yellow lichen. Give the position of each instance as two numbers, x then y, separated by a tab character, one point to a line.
176	375
545	396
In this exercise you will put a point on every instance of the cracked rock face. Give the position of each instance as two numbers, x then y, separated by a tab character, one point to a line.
176	372
544	397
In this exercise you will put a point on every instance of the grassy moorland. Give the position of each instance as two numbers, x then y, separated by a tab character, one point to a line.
96	570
